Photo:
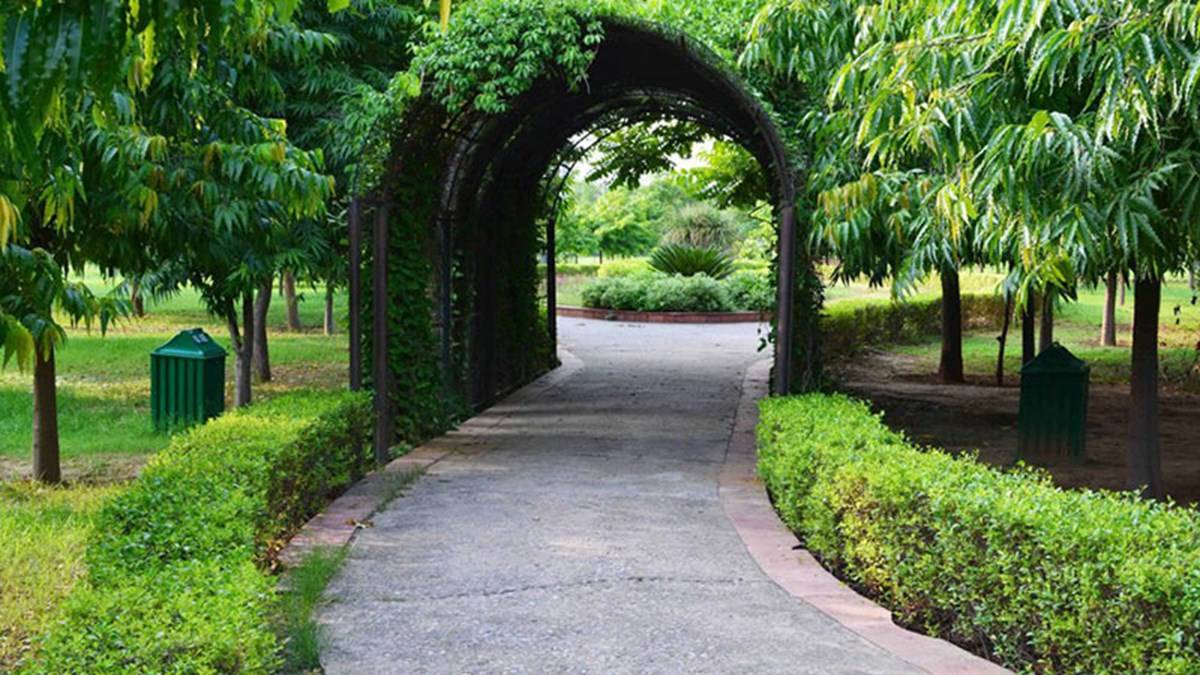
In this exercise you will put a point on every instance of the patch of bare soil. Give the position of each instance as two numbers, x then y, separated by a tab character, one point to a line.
981	416
91	470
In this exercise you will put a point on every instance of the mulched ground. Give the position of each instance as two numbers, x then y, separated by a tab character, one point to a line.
981	416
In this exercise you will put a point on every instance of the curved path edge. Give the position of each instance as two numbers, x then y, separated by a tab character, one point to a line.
336	525
744	499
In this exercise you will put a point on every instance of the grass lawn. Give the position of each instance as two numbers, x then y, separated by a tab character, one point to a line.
43	533
1077	327
104	385
106	436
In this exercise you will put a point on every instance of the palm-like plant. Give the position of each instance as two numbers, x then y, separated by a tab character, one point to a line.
690	261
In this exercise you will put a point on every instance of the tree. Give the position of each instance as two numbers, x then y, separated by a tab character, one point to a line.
81	175
37	290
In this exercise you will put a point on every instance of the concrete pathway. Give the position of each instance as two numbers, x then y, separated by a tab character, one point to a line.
583	534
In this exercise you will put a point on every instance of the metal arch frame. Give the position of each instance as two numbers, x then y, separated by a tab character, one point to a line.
701	90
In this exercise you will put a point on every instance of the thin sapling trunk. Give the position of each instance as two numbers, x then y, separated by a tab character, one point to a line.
293	304
330	328
1046	335
262	351
1108	325
1029	330
46	467
1003	339
243	349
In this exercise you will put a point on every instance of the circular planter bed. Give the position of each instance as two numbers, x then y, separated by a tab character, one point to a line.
663	317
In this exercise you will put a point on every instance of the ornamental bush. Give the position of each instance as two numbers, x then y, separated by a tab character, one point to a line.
751	290
176	581
656	292
1040	578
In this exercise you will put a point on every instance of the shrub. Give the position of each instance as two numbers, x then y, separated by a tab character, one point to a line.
751	290
849	326
174	585
686	294
194	617
690	260
701	225
627	293
658	293
626	267
1043	579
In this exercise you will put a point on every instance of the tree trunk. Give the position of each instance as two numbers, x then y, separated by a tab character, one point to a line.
330	328
262	351
293	305
1029	330
243	349
1192	269
1145	469
46	466
1003	339
951	367
1046	335
1124	285
1108	325
137	303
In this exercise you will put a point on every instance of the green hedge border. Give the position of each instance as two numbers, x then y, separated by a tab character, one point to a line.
849	326
1036	577
178	565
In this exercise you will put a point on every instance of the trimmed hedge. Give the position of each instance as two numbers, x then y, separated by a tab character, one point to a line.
1040	578
849	326
624	267
176	580
657	292
570	269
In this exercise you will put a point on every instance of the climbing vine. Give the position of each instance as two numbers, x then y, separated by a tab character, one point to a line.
493	52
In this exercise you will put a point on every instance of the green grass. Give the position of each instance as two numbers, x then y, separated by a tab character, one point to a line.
303	587
104	387
43	534
1077	327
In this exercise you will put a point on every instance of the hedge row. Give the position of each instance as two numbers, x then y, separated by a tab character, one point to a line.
571	269
1040	578
657	292
176	565
849	326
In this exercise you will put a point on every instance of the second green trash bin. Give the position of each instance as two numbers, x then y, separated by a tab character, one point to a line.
187	380
1054	397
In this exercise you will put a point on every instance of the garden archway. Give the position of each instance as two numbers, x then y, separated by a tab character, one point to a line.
478	225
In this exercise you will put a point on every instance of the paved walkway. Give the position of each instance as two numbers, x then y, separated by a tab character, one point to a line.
583	534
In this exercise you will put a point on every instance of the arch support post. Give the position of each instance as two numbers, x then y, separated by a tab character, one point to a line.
784	326
356	304
381	372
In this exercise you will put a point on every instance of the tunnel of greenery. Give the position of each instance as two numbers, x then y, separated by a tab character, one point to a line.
457	212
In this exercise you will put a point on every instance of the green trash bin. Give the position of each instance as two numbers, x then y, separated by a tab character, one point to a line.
187	380
1053	415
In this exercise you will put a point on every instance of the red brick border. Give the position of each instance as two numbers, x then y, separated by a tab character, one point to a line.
795	570
663	317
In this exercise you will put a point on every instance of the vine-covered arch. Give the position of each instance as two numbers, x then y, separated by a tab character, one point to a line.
456	215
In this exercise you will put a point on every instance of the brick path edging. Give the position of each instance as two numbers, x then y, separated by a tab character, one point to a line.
662	317
345	516
774	547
